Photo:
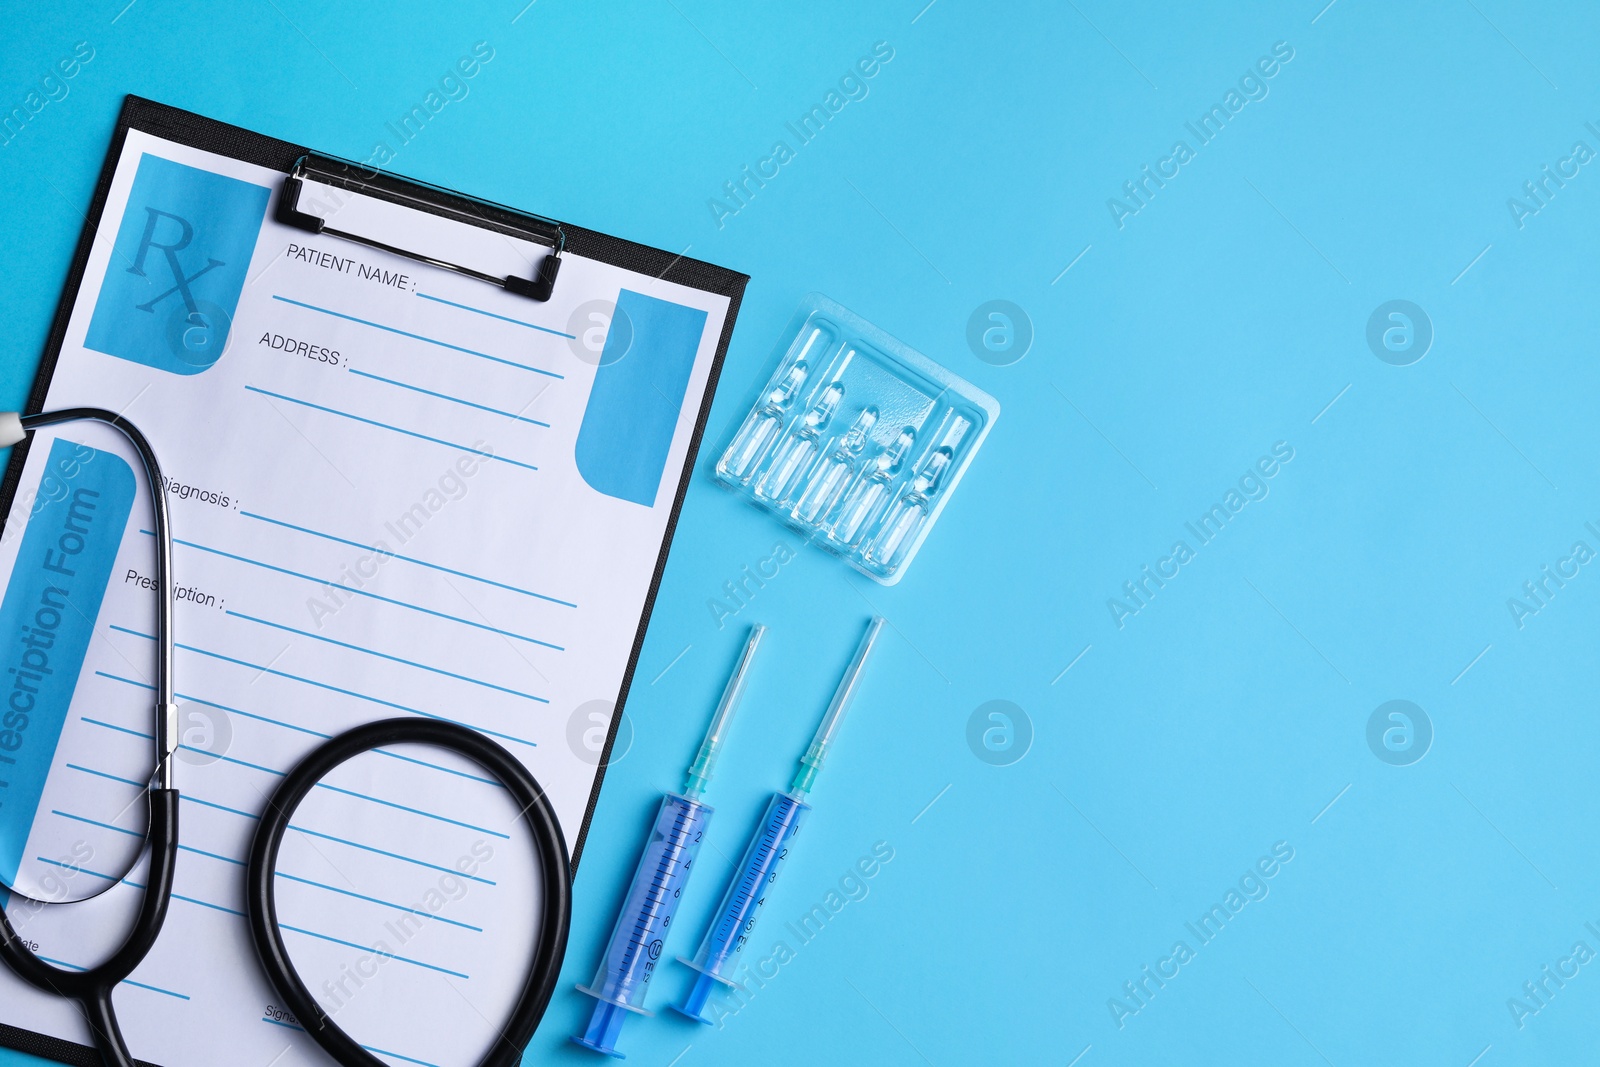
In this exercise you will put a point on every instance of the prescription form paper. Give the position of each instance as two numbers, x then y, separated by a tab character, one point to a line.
396	491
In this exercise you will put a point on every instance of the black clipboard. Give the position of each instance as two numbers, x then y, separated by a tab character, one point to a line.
296	162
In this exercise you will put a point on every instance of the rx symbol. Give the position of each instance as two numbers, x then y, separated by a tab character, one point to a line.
180	280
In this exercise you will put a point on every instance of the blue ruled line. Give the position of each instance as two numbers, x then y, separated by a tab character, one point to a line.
324	685
387	426
414	811
385	655
418	337
185	797
235	811
212	855
186	748
236	762
391	855
96	822
375	952
357	592
297	829
443	396
112	777
322	785
356	795
136	833
220	807
408	559
202	903
136	885
296	729
125	981
119	729
492	315
77	870
423	912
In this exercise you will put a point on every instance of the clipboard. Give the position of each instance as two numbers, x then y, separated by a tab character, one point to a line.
305	172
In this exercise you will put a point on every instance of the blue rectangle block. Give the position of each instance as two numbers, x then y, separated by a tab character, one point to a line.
47	618
637	397
177	267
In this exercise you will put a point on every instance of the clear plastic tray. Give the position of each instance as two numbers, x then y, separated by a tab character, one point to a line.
857	441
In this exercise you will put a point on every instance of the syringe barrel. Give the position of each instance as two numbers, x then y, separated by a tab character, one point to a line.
652	901
735	920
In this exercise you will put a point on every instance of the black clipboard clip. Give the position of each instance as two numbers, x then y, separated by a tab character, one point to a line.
358	180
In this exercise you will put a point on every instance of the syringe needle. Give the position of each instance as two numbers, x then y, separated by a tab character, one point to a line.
812	761
717	732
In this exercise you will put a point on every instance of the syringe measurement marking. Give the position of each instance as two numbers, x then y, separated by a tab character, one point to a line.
743	898
656	898
746	891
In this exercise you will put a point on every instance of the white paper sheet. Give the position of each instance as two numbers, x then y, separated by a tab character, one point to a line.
398	529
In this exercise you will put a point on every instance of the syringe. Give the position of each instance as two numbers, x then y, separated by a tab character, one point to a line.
733	921
658	884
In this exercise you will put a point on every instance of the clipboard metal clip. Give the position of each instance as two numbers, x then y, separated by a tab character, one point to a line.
354	179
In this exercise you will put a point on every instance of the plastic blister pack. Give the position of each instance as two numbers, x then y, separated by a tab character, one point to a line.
857	440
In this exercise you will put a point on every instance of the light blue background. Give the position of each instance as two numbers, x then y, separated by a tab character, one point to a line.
1224	317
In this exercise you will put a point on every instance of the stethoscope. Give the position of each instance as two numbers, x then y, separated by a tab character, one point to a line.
92	988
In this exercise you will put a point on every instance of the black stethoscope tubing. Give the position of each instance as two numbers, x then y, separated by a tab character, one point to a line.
537	813
92	987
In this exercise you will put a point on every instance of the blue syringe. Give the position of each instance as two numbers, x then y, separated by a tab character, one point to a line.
631	955
734	920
